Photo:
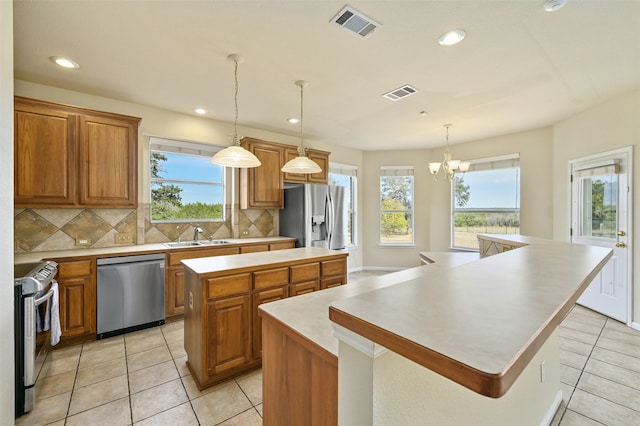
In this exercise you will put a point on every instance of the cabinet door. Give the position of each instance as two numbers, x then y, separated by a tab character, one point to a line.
260	297
45	156
262	187
228	341
322	160
108	169
174	291
77	303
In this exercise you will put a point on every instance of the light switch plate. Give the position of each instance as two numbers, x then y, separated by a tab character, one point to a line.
124	238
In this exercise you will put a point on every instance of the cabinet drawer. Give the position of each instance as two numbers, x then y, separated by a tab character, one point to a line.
175	258
334	267
232	284
254	248
282	245
302	288
308	272
80	268
333	282
271	277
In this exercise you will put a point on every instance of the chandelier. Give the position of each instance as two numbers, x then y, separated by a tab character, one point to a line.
235	155
448	166
302	163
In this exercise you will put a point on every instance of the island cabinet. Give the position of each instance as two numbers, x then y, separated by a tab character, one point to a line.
73	157
223	336
77	299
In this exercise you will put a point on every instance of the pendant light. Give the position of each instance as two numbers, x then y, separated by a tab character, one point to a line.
448	166
302	163
235	155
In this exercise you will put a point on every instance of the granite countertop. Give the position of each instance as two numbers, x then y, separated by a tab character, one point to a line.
210	266
481	322
132	249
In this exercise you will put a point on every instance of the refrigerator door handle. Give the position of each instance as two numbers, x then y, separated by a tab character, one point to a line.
330	217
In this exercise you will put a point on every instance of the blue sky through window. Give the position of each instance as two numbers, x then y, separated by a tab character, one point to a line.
493	188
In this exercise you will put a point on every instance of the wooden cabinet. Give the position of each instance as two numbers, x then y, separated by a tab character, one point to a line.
282	245
77	298
321	158
44	155
225	305
174	275
73	157
262	187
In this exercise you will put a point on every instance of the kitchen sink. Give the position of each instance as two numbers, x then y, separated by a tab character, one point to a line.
213	242
196	243
183	244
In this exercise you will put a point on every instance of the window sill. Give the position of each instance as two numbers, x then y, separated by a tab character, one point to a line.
464	249
396	245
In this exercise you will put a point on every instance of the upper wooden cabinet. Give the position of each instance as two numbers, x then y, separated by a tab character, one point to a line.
73	157
320	157
263	186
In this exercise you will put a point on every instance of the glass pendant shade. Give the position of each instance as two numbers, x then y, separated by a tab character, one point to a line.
301	164
235	155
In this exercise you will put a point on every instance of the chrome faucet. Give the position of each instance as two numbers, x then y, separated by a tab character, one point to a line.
196	231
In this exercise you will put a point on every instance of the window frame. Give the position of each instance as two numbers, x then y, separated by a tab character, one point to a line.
506	161
397	171
196	149
352	172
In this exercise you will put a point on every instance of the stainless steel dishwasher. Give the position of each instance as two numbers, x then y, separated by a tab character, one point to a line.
130	293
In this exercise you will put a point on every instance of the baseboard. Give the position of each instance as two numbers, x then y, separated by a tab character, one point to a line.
635	325
548	418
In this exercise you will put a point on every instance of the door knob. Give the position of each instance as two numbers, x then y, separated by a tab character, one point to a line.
621	233
621	245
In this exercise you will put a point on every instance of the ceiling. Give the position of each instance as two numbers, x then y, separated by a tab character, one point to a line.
519	67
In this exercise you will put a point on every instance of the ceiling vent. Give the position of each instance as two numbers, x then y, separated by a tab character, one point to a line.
354	21
400	92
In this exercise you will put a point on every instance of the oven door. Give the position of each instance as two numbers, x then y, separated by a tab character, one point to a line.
37	320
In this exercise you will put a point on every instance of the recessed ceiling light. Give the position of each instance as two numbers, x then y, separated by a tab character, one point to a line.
553	5
293	120
423	113
452	37
65	62
200	111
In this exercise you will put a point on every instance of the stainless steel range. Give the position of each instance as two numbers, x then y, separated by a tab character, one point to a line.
33	292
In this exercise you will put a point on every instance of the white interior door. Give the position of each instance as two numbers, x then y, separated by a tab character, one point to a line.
601	216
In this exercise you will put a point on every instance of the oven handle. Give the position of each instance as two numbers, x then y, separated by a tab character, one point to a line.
40	301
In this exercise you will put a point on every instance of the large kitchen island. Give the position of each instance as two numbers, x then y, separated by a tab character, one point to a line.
459	341
222	335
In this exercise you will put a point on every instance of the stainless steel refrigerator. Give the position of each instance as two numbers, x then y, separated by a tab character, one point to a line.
316	215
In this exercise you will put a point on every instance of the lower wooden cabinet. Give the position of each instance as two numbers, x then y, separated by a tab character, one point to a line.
174	291
77	298
224	308
228	342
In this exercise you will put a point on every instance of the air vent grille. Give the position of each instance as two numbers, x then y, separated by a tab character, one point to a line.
354	21
400	92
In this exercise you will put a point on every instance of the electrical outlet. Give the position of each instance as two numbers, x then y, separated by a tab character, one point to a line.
83	241
245	232
190	300
124	238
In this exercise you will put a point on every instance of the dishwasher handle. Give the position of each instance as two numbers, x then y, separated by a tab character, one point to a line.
130	259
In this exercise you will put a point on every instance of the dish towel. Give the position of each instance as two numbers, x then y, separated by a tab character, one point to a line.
56	332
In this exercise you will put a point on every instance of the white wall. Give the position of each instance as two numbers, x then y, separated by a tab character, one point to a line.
612	124
432	208
6	214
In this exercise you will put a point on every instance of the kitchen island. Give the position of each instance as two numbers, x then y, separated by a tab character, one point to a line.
423	343
222	335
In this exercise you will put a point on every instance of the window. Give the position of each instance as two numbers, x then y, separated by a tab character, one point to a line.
396	205
346	175
486	200
185	185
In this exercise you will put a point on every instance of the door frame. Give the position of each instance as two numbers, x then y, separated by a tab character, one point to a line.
628	152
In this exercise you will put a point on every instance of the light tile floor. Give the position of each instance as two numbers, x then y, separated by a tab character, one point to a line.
141	378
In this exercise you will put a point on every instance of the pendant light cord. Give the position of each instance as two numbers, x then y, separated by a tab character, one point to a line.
236	140
302	152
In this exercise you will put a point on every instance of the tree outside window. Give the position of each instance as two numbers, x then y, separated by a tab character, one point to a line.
396	206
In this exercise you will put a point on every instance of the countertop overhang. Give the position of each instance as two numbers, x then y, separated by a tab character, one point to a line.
478	323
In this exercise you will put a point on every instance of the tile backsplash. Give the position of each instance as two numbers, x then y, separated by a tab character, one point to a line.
67	229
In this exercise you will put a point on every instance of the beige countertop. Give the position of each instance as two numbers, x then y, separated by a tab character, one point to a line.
234	262
478	323
132	249
308	314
